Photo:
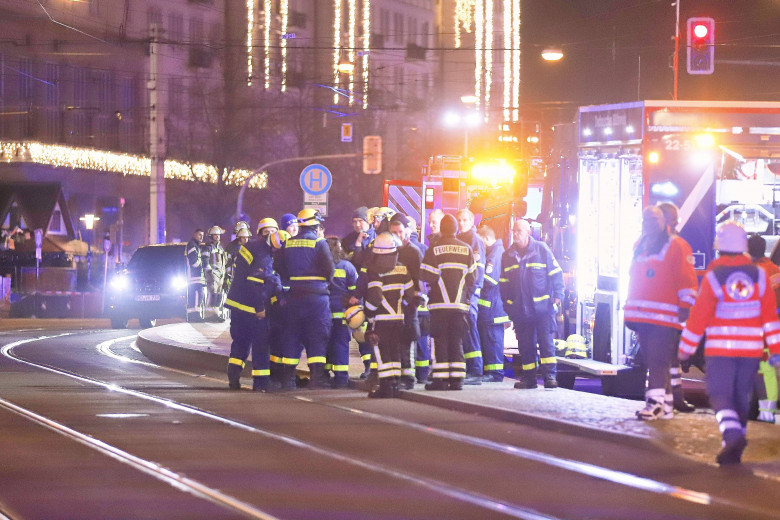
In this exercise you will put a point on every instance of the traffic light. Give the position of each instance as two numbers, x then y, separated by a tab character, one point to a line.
372	154
701	45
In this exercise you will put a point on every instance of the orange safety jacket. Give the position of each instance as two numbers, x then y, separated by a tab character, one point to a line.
736	309
660	284
773	274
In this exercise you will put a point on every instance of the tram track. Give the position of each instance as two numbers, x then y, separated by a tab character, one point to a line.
440	487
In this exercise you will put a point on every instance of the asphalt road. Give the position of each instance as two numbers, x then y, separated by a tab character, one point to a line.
89	429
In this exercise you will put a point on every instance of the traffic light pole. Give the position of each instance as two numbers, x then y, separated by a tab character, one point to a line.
258	171
676	49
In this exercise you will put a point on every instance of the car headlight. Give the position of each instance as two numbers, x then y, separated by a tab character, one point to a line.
179	282
119	283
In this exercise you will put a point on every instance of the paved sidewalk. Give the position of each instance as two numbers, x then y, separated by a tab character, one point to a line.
207	346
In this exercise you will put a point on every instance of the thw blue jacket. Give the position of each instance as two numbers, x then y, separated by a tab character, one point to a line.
491	308
530	280
305	264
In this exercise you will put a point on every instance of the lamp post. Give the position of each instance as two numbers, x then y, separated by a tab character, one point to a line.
468	117
89	224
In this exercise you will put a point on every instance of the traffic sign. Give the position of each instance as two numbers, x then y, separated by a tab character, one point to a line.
316	179
318	202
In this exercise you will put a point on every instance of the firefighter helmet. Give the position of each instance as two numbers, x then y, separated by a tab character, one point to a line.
243	232
560	347
386	243
240	225
730	237
266	223
360	333
576	347
379	214
354	317
278	238
310	217
215	230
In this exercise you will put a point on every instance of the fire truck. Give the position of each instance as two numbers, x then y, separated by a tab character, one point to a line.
716	161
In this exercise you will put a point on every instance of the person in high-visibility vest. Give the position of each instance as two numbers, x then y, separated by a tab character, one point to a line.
196	291
341	288
492	319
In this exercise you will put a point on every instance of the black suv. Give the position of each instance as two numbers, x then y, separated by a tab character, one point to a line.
154	285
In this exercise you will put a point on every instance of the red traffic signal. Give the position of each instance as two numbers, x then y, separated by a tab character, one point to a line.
701	45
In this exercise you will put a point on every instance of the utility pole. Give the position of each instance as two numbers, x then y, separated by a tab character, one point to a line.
676	48
156	147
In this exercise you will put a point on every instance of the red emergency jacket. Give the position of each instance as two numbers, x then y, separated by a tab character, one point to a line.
736	308
660	284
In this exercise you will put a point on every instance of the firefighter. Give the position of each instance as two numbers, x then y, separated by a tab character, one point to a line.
450	271
341	288
492	320
389	285
661	289
275	312
242	235
414	317
471	346
306	266
253	284
531	286
289	224
265	227
671	216
736	309
765	386
215	265
196	292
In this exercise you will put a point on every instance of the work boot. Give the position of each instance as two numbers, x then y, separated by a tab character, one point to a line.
318	378
550	383
732	452
406	383
680	404
367	371
287	380
260	383
456	383
492	377
472	379
234	385
438	384
422	374
383	391
339	382
527	380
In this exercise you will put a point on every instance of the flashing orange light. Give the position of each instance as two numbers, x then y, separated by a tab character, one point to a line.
653	157
705	140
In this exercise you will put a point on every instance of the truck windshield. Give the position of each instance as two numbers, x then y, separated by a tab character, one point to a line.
161	257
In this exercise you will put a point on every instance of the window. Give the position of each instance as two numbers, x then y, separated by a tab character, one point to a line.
25	79
175	96
297	19
424	37
196	30
175	27
412	30
154	16
52	84
398	27
128	94
79	87
105	90
56	222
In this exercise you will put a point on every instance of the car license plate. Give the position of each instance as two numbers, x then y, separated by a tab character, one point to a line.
147	298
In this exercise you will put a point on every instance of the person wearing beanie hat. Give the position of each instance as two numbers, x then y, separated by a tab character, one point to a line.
289	223
363	233
448	302
448	226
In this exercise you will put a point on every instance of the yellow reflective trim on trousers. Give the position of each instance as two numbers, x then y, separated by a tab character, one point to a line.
475	354
503	280
497	366
373	365
501	319
529	366
484	303
316	278
316	359
555	271
336	315
535	264
262	372
340	368
365	357
424	363
339	273
253	279
351	287
276	359
244	252
290	361
235	361
240	306
542	298
548	361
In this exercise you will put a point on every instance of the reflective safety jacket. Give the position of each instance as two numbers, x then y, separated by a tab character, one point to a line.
449	270
478	249
386	293
530	281
491	308
305	263
736	309
773	274
195	262
254	280
215	265
660	284
344	283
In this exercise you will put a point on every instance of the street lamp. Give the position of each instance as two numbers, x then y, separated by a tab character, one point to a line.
466	117
552	54
89	223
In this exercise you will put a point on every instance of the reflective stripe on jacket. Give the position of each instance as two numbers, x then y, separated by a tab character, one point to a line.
450	271
305	263
530	281
491	308
254	280
385	293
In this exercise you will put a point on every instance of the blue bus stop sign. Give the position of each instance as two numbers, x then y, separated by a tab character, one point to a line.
316	179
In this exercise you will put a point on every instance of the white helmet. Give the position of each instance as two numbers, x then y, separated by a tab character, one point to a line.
240	225
243	232
354	316
215	230
386	243
730	237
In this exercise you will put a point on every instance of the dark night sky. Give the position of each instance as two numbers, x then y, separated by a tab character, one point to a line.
603	40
